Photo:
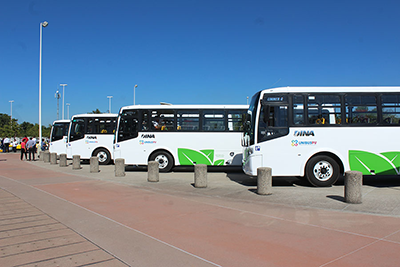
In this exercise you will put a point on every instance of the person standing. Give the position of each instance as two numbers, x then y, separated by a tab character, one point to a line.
30	145
14	145
43	145
6	144
23	150
34	139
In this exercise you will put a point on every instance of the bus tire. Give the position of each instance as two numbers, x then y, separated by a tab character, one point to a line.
103	155
164	159
322	171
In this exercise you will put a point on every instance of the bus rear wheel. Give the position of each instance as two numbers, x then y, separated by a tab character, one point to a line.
164	159
322	171
103	155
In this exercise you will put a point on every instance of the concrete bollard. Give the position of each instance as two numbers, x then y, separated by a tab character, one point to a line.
76	162
264	181
353	187
153	172
41	155
63	160
53	158
94	164
119	167
46	157
200	176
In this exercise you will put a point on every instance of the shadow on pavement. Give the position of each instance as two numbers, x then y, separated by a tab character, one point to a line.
337	198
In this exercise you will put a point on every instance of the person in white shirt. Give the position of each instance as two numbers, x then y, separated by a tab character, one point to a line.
14	145
6	144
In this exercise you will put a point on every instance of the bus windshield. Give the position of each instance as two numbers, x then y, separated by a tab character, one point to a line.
59	131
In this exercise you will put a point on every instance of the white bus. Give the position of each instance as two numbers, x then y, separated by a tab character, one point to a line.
321	132
58	137
176	135
92	135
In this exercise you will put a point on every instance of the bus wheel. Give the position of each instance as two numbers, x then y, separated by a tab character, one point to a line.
103	155
322	171
164	159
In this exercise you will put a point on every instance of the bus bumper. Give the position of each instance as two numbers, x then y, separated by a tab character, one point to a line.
251	164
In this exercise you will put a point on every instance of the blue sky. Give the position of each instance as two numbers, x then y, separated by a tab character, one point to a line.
188	52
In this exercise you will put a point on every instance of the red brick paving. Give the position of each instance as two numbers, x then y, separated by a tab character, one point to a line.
29	237
212	231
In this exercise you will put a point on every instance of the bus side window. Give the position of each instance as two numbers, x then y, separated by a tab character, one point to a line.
213	120
361	109
235	120
324	109
298	109
390	109
145	121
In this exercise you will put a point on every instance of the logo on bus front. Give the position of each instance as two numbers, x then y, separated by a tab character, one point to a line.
304	133
144	142
303	143
148	136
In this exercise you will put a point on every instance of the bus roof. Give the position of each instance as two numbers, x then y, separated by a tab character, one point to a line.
332	89
185	107
61	121
95	115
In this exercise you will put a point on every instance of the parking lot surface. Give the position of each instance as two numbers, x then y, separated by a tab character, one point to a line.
130	221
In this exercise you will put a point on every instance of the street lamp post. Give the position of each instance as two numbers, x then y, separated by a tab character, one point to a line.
68	110
11	101
57	96
63	86
42	25
134	88
109	103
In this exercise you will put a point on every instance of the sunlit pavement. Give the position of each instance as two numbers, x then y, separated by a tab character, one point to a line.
171	223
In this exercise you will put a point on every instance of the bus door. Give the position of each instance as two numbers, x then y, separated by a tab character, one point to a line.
129	126
76	137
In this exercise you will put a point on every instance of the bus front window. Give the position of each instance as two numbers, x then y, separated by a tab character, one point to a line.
273	118
128	125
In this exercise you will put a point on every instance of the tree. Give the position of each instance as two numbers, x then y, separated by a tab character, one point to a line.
4	119
25	127
11	129
97	111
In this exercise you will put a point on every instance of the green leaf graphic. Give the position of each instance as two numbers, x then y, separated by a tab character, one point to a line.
209	153
365	162
189	157
219	162
393	157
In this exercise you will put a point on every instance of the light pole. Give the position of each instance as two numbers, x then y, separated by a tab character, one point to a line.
57	96
68	109
109	103
11	101
134	88
63	86
42	25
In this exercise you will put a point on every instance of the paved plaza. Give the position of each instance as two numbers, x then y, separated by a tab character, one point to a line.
57	216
